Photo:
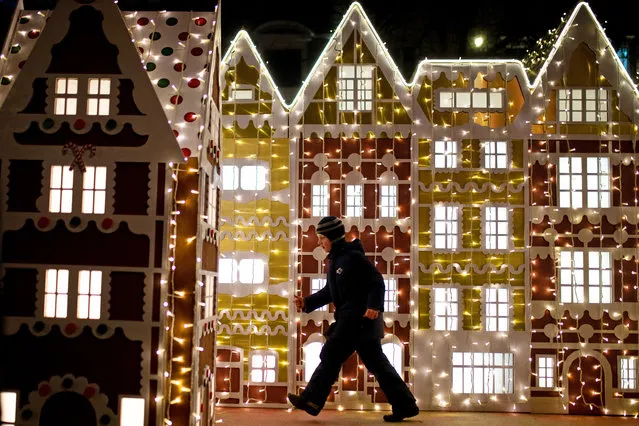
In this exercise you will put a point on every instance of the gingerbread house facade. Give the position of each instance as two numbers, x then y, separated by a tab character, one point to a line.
450	180
109	132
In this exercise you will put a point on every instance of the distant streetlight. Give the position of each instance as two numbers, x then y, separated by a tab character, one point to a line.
478	41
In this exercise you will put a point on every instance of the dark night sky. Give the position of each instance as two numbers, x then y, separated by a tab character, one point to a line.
412	30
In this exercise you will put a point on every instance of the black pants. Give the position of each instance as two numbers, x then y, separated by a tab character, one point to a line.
336	351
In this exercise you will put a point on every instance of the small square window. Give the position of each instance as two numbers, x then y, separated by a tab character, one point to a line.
56	293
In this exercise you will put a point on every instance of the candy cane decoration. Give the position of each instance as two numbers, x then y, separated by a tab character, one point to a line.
78	153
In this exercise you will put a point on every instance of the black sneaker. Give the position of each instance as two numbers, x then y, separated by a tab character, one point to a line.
400	415
308	406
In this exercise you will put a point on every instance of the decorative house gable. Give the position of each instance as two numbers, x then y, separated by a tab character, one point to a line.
83	85
354	81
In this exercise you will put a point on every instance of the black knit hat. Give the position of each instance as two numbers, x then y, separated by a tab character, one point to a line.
332	228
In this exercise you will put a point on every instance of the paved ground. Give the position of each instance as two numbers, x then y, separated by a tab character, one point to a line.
279	417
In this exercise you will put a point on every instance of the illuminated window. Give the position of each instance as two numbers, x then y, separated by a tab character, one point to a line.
390	295
446	227
497	302
94	190
583	105
496	228
395	354
585	276
482	373
66	96
388	200
209	296
312	351
253	178
241	94
251	271
89	294
9	405
628	372
56	293
316	285
495	155
446	304
476	99
546	371
574	178
99	93
355	87
445	154
263	366
354	200
230	177
320	200
61	190
132	411
227	271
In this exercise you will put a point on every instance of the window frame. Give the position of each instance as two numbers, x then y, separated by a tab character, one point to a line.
586	275
486	227
491	368
391	295
62	190
565	114
315	339
488	289
546	368
242	88
632	372
263	353
451	159
90	187
315	288
386	207
452	104
355	200
320	210
209	296
356	103
99	97
487	156
582	179
9	414
64	96
450	238
447	316
91	295
58	296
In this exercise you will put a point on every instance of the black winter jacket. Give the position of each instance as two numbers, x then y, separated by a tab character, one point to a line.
353	284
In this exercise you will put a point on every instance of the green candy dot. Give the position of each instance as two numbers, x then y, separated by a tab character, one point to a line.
24	20
167	51
15	48
155	36
111	124
5	81
164	82
48	123
171	22
150	66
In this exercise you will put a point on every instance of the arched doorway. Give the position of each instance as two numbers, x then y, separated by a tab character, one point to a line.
69	409
590	397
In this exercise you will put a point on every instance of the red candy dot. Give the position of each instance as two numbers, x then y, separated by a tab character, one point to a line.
183	36
43	222
107	223
176	133
186	152
44	390
179	67
200	21
143	21
176	100
79	124
193	83
190	117
197	51
33	34
21	64
70	328
89	392
141	49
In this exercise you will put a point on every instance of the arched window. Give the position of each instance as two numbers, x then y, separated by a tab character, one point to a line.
312	349
394	351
